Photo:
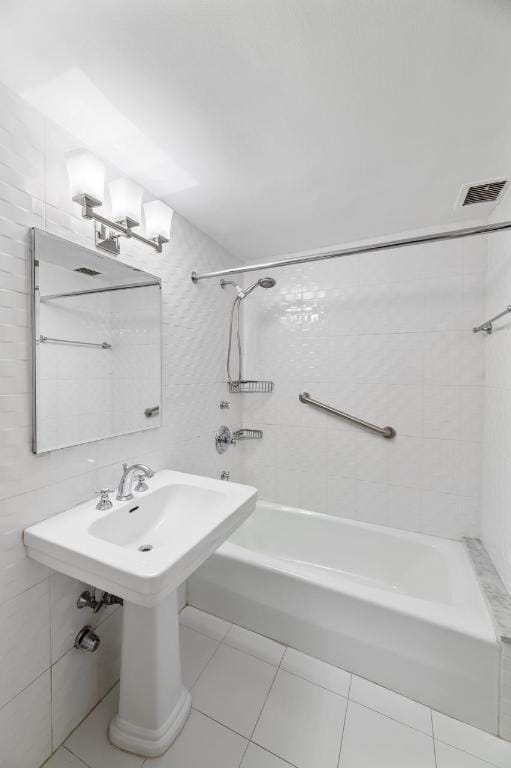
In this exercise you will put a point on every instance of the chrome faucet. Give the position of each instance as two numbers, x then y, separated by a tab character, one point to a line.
124	491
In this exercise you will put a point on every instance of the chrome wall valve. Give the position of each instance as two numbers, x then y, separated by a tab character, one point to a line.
88	600
223	439
87	640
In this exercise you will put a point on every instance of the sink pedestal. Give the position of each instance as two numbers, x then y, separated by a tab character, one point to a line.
153	704
185	518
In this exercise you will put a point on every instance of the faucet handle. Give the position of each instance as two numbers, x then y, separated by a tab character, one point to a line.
141	484
104	501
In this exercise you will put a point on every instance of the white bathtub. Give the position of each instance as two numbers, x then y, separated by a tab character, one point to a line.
398	608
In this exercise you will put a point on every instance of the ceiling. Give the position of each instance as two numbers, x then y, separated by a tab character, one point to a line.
279	126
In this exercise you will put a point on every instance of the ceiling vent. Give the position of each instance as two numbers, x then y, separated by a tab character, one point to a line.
487	192
87	271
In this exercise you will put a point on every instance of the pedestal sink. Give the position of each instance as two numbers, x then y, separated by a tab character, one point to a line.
141	550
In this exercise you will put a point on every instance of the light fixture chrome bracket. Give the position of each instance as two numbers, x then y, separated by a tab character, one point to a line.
108	232
128	224
88	204
107	240
159	240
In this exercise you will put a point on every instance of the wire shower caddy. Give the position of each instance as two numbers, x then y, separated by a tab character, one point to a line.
250	386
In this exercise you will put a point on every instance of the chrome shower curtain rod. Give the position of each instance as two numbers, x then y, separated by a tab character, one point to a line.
436	237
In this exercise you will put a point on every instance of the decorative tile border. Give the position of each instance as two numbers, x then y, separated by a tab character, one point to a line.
497	596
499	603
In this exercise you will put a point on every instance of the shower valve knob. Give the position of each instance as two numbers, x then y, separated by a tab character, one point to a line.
223	439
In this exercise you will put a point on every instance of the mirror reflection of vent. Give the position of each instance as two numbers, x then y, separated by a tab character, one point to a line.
484	193
87	271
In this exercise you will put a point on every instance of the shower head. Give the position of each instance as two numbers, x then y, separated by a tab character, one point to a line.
263	282
266	282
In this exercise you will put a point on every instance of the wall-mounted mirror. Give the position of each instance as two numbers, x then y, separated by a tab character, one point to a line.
96	345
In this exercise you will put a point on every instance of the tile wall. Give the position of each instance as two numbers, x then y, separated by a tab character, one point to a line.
387	337
496	518
495	510
43	680
74	390
135	324
505	692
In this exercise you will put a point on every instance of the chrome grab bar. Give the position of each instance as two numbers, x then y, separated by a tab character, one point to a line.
51	340
488	325
387	432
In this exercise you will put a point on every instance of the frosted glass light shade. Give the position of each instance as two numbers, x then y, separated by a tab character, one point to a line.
125	199
158	219
86	174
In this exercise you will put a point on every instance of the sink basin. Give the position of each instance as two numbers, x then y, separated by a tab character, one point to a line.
142	550
160	516
179	522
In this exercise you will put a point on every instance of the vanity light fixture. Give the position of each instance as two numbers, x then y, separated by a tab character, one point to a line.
87	181
86	175
158	220
126	202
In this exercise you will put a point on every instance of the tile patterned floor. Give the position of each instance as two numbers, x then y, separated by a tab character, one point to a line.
258	704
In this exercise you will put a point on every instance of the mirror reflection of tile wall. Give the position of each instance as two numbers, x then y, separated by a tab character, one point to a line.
86	391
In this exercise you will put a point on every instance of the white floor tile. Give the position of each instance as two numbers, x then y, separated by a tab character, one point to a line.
90	740
233	688
450	757
301	722
204	622
316	671
257	757
257	645
196	650
202	744
469	739
371	739
63	759
391	704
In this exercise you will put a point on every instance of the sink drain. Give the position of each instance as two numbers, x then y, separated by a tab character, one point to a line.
145	548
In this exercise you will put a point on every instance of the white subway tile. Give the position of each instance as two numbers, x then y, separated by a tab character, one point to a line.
24	640
17	572
75	691
22	746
